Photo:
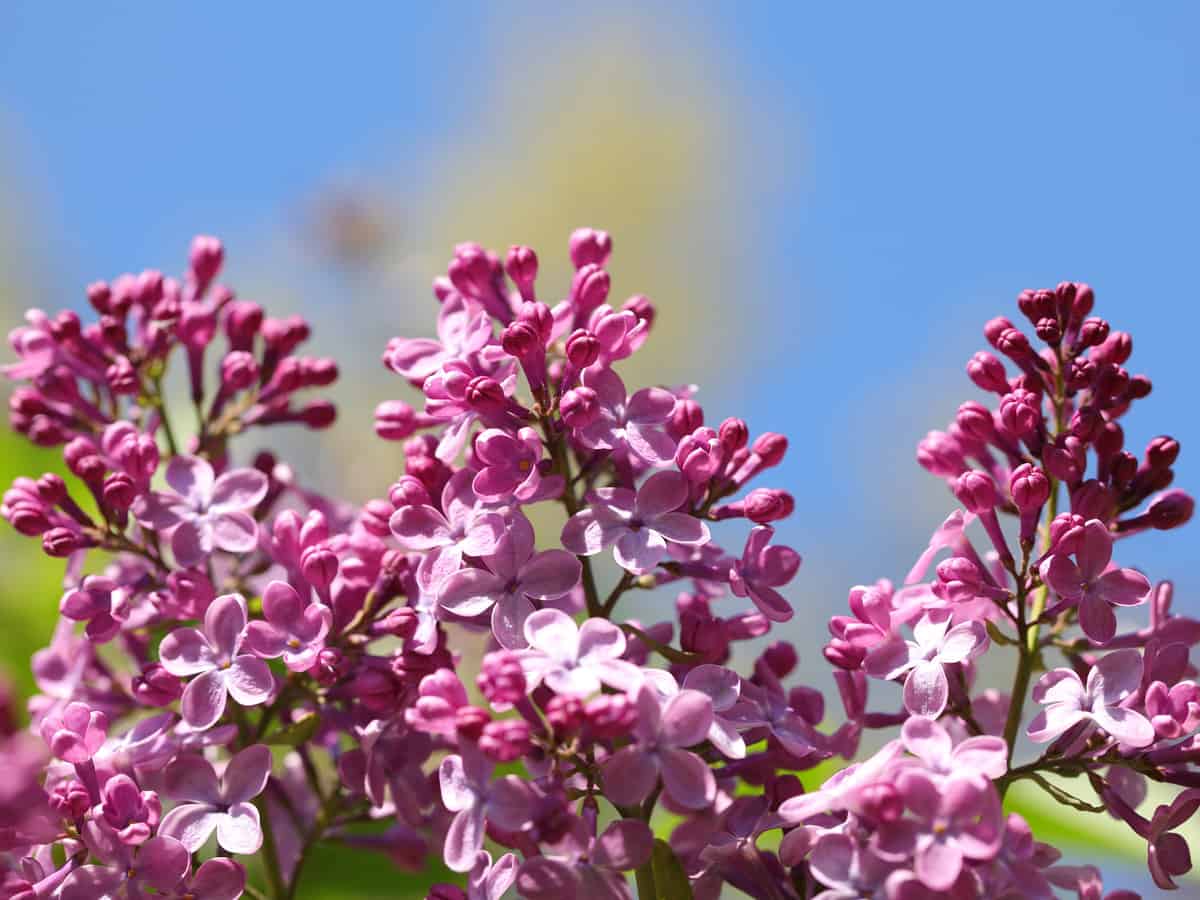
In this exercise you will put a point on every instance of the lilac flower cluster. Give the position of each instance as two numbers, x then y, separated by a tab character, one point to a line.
243	667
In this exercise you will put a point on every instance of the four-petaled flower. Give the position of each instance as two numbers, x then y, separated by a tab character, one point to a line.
763	568
92	602
662	730
294	628
628	424
212	656
1092	584
76	733
510	578
637	526
1069	702
217	804
509	467
467	792
575	659
584	866
984	754
956	820
204	513
923	660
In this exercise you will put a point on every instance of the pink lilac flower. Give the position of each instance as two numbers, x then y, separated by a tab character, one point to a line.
848	870
475	800
294	628
662	730
584	866
958	820
129	811
213	656
93	602
763	568
440	696
732	714
75	734
922	661
628	423
575	660
160	863
1168	855
985	755
204	513
217	804
511	578
1068	702
841	789
637	526
215	879
462	327
464	529
509	467
1090	582
772	709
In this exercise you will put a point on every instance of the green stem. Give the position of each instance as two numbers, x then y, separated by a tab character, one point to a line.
275	884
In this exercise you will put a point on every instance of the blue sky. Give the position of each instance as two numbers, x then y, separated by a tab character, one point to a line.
923	167
896	174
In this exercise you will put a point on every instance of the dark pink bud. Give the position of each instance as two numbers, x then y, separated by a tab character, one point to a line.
987	372
501	678
521	339
566	715
318	414
99	295
1092	333
579	407
589	247
331	666
148	290
610	716
239	370
470	721
206	259
157	687
69	799
471	271
1110	441
505	740
119	491
1035	305
1170	510
1139	387
1086	423
1029	487
781	658
975	420
583	348
65	326
1021	412
243	321
960	579
881	802
1122	469
1116	349
734	435
770	448
640	306
685	418
1065	459
319	565
319	371
994	328
1049	331
52	488
1092	500
700	455
976	491
763	505
395	420
541	317
486	395
400	622
1162	452
590	288
61	542
122	377
408	491
521	264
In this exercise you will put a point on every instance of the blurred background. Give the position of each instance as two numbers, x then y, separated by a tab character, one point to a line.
825	203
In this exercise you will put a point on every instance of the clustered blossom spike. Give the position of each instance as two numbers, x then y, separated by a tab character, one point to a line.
228	610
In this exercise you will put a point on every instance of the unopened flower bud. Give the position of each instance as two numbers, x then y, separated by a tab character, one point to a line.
1170	510
206	258
976	491
469	721
583	348
1021	412
157	687
589	247
501	678
521	264
763	505
1029	487
395	420
987	372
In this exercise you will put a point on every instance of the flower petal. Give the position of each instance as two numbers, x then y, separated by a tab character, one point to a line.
687	779
249	680
238	490
926	689
191	824
203	699
246	775
234	532
239	830
186	651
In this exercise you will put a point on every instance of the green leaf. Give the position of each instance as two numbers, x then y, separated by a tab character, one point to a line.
295	733
670	881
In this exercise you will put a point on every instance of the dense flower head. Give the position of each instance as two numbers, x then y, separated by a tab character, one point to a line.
248	668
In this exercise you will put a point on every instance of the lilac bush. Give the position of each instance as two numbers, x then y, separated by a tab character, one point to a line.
244	668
